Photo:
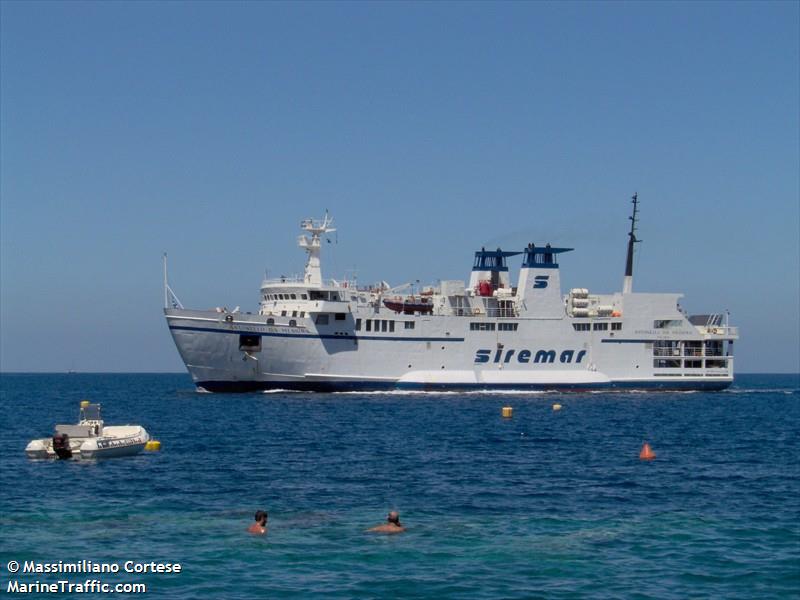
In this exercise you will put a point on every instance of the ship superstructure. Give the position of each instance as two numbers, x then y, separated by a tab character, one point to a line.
492	333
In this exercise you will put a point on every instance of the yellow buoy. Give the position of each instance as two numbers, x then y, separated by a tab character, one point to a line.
84	403
556	406
153	446
507	412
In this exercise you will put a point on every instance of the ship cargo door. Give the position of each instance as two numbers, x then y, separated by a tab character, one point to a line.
249	345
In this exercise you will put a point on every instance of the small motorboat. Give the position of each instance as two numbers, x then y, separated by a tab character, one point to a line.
90	438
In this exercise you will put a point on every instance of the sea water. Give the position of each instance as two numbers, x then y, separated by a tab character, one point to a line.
547	504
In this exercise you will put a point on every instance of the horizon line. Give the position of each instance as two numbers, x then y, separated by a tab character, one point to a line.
72	372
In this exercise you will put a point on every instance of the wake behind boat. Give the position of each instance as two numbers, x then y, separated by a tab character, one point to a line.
313	334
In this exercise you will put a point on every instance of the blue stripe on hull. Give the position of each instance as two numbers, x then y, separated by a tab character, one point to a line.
369	386
321	336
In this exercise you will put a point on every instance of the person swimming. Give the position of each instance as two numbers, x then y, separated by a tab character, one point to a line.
392	524
260	526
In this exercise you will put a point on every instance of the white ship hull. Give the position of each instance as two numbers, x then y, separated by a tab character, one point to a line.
309	334
437	354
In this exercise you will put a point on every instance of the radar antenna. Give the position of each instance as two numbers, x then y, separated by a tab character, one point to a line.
627	286
313	270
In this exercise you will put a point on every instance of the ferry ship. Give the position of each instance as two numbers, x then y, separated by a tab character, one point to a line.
491	333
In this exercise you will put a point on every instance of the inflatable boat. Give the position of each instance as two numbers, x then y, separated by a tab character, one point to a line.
90	438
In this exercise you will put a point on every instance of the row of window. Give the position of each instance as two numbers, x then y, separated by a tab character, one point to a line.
284	297
323	295
667	323
292	322
596	326
324	318
295	313
312	295
491	326
381	325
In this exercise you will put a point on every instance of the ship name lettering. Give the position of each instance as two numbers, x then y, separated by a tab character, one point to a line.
507	355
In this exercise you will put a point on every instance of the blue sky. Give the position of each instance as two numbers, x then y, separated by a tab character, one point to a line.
208	130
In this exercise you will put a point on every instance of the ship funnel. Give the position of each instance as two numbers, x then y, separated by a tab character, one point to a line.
539	286
490	271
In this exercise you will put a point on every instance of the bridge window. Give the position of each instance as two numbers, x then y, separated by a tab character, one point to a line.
340	316
581	326
322	319
358	324
369	325
409	324
481	326
616	327
507	326
294	296
391	326
304	296
384	326
292	323
283	313
270	321
600	327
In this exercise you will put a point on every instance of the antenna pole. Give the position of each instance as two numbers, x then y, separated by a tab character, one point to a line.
166	285
627	286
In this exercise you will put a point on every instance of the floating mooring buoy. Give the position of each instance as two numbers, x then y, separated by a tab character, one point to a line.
647	452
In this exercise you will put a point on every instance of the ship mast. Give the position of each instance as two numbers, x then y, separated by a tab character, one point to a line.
313	270
627	285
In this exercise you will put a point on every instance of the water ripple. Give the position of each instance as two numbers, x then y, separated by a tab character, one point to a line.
545	505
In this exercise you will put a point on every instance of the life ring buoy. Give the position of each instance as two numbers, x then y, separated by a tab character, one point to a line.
476	311
229	318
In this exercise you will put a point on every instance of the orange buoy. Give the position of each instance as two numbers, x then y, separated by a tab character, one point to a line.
647	452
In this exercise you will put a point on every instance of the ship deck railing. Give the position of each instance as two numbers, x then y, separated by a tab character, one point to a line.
326	283
687	352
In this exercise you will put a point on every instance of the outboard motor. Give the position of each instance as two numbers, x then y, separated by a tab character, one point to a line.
61	445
